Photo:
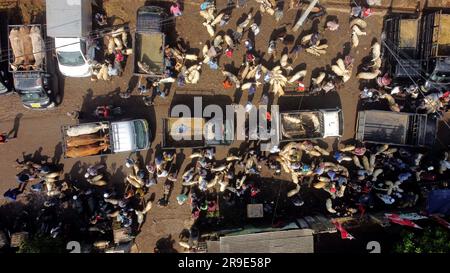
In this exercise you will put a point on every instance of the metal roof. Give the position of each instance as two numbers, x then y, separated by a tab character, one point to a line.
68	18
290	241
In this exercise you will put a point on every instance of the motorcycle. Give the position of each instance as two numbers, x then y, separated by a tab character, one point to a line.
107	112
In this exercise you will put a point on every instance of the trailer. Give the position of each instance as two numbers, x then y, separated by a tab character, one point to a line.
149	42
404	129
114	137
309	124
195	133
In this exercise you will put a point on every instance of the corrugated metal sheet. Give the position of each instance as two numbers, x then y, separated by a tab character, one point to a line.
291	241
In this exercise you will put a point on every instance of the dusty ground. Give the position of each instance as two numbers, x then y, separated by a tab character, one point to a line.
40	131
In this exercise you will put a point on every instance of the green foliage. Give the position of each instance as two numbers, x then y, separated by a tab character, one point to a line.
430	240
42	244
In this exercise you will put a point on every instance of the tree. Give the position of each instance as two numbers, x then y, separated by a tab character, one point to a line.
430	240
42	244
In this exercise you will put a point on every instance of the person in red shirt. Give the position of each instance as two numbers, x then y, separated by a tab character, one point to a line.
227	84
175	9
3	138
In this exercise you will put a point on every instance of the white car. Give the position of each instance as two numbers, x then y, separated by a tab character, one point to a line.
72	62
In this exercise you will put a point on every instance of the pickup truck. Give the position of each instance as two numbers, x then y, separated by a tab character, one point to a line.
405	129
308	124
189	133
149	42
33	75
105	138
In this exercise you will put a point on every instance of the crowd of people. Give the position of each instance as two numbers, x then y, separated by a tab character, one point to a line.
99	208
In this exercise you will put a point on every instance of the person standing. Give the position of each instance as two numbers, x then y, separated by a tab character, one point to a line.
175	9
3	138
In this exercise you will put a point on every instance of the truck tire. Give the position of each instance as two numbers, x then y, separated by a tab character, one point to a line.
58	99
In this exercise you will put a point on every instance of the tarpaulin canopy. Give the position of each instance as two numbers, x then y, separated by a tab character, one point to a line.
439	202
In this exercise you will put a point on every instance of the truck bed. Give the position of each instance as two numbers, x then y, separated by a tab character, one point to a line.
187	130
408	33
149	51
149	42
386	127
27	51
101	133
301	125
379	126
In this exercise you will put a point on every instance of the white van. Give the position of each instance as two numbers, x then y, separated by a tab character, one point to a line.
70	24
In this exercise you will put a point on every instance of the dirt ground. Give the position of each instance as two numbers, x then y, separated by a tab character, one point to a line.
39	132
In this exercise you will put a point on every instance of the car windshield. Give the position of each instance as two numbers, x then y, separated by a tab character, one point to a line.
27	83
31	97
71	58
141	134
441	77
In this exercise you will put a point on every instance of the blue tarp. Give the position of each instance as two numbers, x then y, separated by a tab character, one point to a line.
439	202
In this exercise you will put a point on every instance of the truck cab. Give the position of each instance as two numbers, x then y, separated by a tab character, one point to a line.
436	50
332	123
34	90
439	79
310	124
70	24
130	136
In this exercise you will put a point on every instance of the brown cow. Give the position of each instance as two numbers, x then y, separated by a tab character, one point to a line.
86	140
24	34
87	150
